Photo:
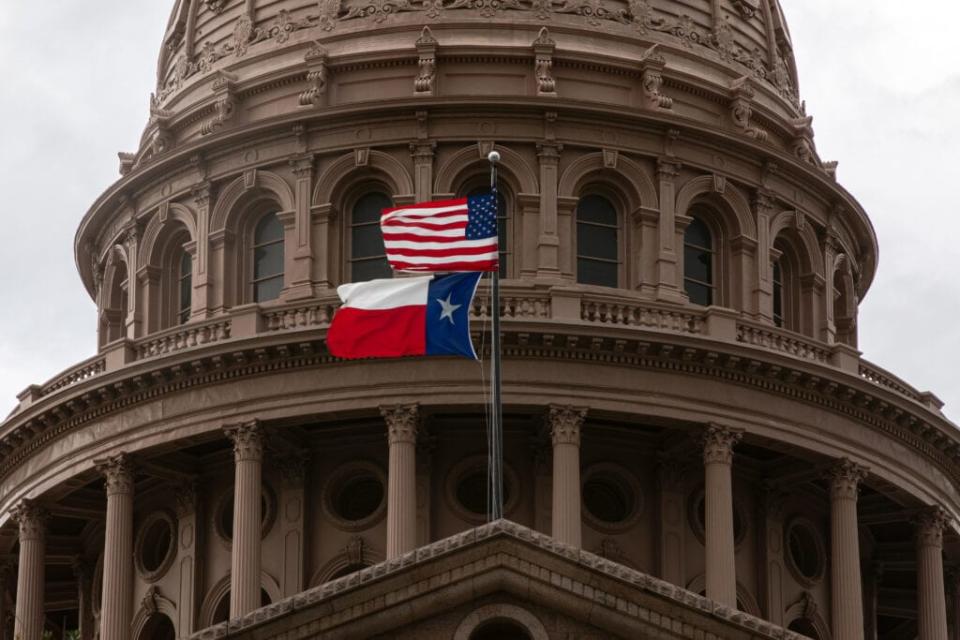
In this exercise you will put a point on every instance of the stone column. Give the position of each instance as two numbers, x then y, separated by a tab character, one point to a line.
30	576
931	599
116	612
83	576
247	528
565	423
721	577
669	281
4	613
845	583
401	478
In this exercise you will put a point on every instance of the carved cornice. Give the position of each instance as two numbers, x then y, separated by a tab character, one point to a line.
402	421
565	423
118	474
248	440
845	477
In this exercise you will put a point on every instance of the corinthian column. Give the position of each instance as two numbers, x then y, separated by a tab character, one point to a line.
932	605
116	613
721	576
247	489
845	578
30	577
401	478
564	424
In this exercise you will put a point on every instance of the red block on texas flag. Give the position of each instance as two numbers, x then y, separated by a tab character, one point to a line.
389	318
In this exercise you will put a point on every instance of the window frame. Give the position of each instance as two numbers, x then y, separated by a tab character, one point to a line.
251	275
617	203
356	195
703	216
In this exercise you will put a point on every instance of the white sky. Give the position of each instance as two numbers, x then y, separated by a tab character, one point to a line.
882	80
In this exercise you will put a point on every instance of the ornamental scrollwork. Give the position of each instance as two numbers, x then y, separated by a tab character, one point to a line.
565	424
402	422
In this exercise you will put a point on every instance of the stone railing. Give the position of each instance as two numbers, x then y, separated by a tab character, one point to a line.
774	339
301	316
183	337
642	315
86	369
532	305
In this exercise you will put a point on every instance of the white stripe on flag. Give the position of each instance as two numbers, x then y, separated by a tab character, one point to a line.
386	293
421	212
456	244
480	257
413	231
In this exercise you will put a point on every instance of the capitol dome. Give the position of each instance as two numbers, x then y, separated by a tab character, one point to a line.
694	446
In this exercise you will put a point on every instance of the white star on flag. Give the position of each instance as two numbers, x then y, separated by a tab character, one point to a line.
448	308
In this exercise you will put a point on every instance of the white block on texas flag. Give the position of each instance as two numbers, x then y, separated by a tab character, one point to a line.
389	318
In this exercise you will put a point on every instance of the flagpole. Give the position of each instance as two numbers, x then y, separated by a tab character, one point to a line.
496	414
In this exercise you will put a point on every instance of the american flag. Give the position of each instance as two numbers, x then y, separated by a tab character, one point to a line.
447	235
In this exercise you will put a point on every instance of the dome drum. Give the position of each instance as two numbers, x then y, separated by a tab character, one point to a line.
691	435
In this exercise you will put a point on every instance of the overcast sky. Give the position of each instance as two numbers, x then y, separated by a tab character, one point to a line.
881	79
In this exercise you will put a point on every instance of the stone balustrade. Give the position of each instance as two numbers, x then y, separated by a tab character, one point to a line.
518	303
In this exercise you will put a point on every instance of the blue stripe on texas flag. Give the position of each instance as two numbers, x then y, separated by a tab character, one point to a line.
448	314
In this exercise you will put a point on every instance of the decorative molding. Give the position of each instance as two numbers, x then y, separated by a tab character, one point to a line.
118	473
426	63
718	442
402	422
652	65
741	108
543	49
931	523
32	519
845	477
317	69
225	104
248	440
564	423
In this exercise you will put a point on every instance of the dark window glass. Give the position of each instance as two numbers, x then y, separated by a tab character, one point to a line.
598	248
503	228
698	263
777	295
359	497
472	488
368	258
267	259
500	630
185	293
156	545
606	499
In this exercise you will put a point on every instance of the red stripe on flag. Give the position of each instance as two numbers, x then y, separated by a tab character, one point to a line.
453	265
380	333
442	253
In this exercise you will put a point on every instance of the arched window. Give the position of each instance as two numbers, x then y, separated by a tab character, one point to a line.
185	286
503	230
368	258
500	630
267	259
777	294
698	263
158	627
598	246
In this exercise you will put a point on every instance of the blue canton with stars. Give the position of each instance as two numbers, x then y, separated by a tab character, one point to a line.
481	217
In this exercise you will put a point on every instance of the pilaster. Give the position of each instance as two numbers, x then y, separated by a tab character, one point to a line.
293	470
931	599
301	269
668	284
188	556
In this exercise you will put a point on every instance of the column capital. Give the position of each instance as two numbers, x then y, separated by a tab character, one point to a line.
931	522
845	477
247	440
402	421
118	473
565	423
718	442
32	519
293	468
667	169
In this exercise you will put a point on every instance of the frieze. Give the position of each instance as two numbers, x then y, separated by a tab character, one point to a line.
636	14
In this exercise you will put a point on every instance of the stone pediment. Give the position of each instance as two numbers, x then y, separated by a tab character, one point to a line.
511	563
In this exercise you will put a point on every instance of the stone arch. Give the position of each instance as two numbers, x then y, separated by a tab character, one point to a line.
153	603
641	188
744	597
813	257
222	588
515	166
227	208
806	608
493	612
344	559
155	229
741	222
333	177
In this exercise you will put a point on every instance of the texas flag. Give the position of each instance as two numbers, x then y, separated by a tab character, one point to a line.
425	316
